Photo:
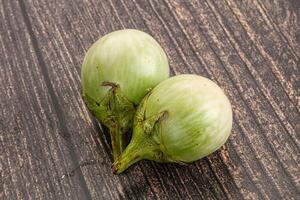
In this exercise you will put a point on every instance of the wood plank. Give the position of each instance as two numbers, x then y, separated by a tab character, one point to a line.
250	48
283	17
173	189
36	141
196	33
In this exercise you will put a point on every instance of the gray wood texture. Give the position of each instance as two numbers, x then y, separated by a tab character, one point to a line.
251	48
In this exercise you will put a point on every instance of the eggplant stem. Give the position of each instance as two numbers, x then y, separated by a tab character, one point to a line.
127	158
117	141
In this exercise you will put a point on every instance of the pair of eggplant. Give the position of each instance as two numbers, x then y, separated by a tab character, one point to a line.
126	86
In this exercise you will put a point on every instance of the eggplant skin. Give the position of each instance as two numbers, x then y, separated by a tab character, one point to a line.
199	117
130	58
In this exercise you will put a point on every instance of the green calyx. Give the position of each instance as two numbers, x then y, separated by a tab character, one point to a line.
145	143
116	112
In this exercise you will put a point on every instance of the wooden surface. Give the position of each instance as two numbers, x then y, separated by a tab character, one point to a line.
251	48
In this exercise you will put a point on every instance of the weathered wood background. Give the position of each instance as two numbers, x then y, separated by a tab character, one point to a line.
251	48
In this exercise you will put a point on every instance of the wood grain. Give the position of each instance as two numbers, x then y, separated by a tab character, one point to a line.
51	147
